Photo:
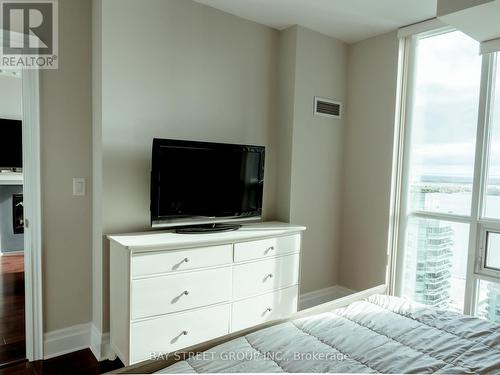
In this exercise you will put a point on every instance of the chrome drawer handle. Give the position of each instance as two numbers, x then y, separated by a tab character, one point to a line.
269	249
184	333
186	260
185	292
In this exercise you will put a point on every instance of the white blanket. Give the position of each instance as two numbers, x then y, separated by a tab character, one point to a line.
379	335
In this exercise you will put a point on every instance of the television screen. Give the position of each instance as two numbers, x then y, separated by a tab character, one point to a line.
205	182
11	144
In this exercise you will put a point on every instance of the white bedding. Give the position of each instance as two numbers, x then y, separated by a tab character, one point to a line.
378	335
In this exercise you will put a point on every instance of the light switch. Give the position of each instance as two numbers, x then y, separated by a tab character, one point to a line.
79	186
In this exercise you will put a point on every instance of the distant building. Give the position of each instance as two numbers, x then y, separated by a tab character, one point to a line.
433	242
489	307
429	264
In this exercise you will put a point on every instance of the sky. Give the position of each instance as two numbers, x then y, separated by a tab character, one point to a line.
446	104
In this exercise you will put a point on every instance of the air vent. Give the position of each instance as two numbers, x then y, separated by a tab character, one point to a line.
327	107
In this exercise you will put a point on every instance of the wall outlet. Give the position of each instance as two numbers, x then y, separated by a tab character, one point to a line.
79	186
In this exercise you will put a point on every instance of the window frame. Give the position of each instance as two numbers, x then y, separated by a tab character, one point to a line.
479	225
481	267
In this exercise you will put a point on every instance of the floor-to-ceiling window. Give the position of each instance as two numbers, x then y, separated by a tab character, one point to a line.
486	293
449	229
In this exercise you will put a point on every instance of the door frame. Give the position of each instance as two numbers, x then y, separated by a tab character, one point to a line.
33	215
33	294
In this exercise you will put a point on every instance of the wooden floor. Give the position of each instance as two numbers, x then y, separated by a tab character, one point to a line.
12	330
81	362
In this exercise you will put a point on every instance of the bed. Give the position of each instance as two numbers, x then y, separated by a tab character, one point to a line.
364	333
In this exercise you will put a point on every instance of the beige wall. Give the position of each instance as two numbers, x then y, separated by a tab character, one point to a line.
193	73
10	97
371	101
284	131
317	156
183	71
66	153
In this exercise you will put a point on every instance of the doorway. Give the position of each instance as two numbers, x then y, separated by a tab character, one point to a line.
12	280
31	191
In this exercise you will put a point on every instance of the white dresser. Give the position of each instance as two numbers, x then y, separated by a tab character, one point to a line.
169	291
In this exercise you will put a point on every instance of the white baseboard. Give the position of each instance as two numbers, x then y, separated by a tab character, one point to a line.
78	337
100	344
66	340
317	297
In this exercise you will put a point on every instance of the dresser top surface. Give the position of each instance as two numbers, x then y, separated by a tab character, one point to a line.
164	240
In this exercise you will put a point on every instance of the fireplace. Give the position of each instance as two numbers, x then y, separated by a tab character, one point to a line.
17	213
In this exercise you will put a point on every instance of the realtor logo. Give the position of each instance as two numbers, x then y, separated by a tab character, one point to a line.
29	34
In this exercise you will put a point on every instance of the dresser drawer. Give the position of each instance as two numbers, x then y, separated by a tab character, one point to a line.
257	310
269	247
144	264
182	291
265	275
177	331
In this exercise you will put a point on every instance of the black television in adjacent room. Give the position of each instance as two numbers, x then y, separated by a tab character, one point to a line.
200	183
11	144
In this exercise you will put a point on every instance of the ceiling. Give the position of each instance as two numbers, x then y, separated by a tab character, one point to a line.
347	20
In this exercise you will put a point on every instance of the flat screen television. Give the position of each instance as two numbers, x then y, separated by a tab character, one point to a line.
11	144
195	183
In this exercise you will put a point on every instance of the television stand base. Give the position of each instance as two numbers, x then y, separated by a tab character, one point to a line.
208	228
